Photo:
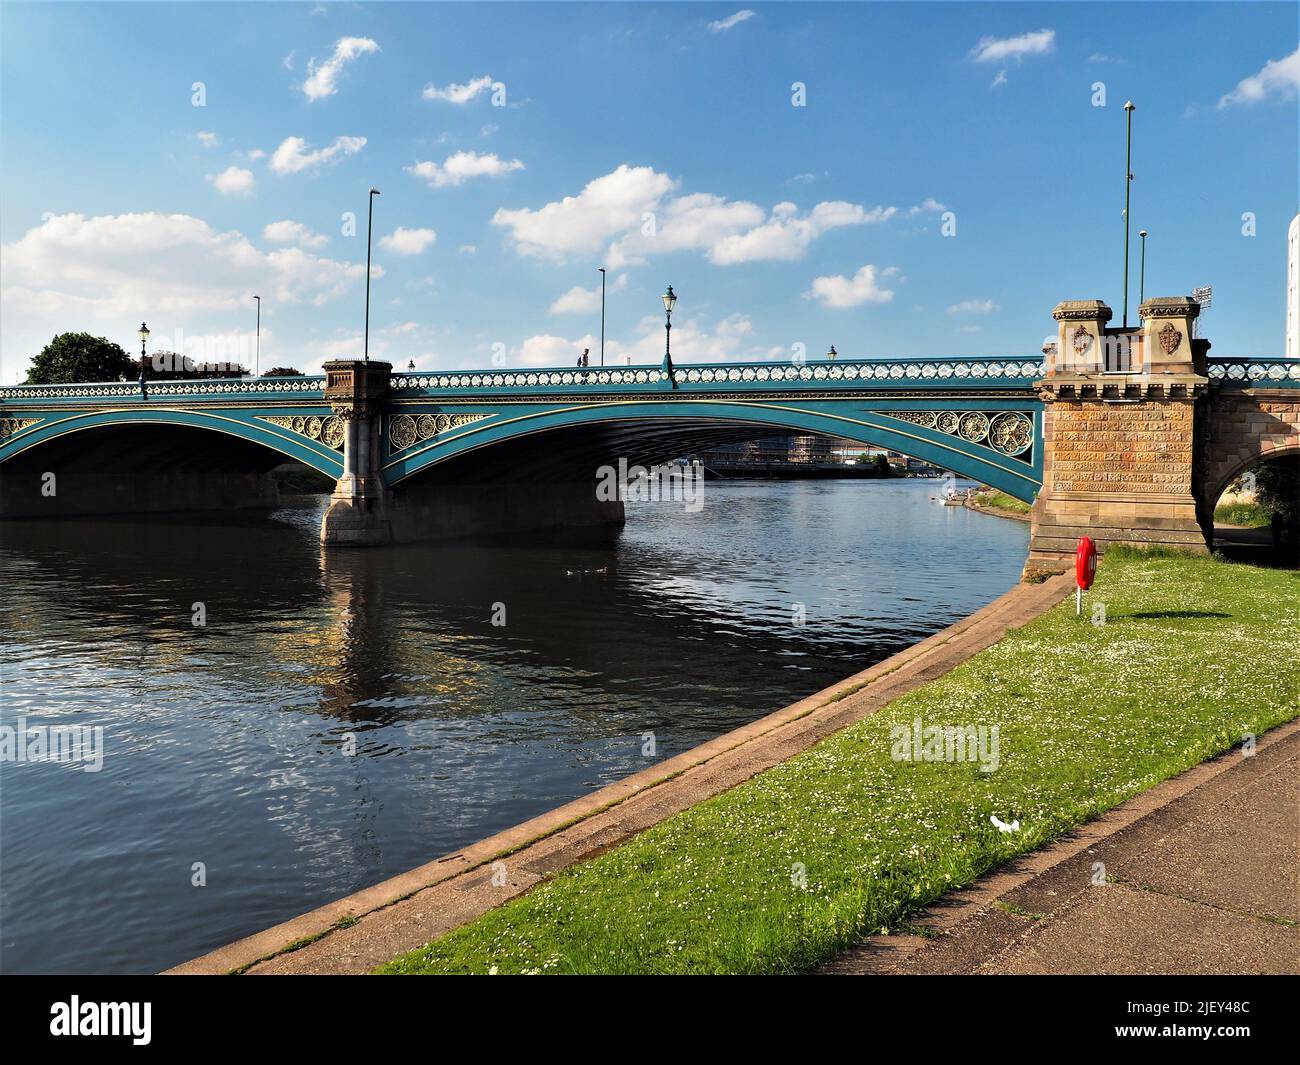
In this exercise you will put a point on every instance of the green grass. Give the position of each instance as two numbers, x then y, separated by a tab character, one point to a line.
1002	501
1251	515
1192	654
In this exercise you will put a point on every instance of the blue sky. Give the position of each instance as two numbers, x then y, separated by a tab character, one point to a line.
520	147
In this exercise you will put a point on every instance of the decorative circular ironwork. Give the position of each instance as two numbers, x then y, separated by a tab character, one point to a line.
947	422
401	431
1011	433
298	424
332	432
973	426
312	428
426	426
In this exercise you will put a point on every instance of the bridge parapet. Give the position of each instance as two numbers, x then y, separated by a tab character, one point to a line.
270	388
819	375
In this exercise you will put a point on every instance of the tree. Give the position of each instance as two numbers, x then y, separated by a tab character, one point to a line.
283	371
74	358
168	366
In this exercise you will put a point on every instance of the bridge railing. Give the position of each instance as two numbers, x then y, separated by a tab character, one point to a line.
1255	373
241	387
813	374
816	375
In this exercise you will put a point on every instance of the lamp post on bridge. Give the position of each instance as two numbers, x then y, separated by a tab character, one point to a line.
670	299
1129	108
1142	270
370	222
144	339
602	314
257	354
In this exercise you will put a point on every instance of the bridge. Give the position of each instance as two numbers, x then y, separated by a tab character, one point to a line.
1128	435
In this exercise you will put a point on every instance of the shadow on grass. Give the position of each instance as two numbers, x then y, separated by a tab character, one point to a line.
1180	614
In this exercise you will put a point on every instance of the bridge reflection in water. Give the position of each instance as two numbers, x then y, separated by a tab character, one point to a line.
226	744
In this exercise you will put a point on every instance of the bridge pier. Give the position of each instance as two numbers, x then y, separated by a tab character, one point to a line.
1119	428
358	514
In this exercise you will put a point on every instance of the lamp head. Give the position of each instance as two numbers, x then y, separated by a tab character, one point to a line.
670	299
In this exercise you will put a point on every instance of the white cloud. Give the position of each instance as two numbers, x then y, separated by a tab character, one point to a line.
104	273
1277	77
287	61
631	209
468	249
841	292
998	49
927	206
403	241
323	78
579	300
288	231
1100	57
233	181
999	79
696	221
724	24
459	94
606	207
786	235
974	307
294	154
462	166
208	140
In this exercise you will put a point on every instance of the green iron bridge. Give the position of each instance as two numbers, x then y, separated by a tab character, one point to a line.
435	454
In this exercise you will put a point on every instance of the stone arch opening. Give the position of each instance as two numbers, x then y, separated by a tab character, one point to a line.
106	467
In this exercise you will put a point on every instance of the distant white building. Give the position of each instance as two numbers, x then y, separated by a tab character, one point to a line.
1293	289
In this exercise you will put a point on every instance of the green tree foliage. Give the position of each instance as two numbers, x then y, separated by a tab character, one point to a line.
74	358
283	371
168	366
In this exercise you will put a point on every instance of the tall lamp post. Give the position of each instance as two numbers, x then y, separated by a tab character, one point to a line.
257	356
144	339
1142	270
602	315
370	221
1129	108
670	299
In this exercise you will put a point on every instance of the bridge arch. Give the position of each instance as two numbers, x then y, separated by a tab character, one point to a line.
529	442
160	459
45	429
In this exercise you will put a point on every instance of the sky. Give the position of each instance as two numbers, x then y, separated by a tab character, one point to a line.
922	179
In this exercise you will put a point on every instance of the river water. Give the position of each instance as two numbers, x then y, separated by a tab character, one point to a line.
330	727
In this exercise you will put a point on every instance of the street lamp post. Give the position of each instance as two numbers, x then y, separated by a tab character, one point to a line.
832	354
144	339
1129	108
602	315
1142	270
370	221
670	299
257	355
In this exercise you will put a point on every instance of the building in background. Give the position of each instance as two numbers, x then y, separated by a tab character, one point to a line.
1293	289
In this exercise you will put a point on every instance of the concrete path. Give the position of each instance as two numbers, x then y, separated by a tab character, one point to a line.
362	931
1199	875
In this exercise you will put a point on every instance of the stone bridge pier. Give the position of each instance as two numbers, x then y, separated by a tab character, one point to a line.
1138	441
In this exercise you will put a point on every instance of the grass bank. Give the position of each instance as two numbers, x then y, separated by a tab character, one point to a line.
1001	501
796	864
1250	515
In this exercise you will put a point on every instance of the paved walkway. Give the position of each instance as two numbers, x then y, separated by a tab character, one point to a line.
1201	874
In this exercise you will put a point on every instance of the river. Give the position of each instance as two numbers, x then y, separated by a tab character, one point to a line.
326	728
